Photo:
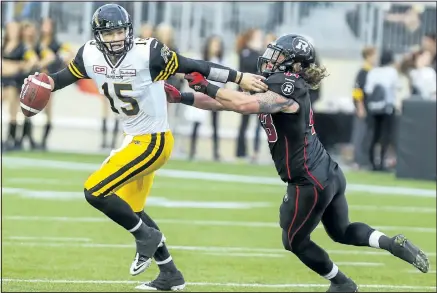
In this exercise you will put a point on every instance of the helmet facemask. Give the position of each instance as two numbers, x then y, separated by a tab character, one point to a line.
274	59
110	47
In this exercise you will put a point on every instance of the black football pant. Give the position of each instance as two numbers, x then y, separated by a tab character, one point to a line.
302	209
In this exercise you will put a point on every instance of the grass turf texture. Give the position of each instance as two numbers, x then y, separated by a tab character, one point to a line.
223	236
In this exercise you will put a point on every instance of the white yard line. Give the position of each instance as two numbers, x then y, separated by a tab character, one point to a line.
204	223
253	285
14	162
206	204
45	238
217	249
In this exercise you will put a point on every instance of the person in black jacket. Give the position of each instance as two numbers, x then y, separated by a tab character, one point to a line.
359	97
249	46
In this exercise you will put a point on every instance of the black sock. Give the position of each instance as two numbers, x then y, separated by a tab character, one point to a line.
336	276
11	139
47	129
162	256
25	132
379	240
120	212
114	134
28	126
12	130
104	131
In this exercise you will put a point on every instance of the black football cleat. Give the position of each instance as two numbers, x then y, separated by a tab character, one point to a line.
349	286
145	252
166	281
407	251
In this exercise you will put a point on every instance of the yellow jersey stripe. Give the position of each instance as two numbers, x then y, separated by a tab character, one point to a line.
167	67
74	70
172	69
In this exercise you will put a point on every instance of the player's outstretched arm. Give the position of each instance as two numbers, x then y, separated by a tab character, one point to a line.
69	75
268	102
165	62
197	100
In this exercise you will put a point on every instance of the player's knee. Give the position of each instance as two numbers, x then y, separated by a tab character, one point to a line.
338	234
294	246
92	199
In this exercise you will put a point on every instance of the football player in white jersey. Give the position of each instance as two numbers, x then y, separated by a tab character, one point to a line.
130	73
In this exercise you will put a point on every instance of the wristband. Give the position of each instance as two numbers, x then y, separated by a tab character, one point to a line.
232	75
211	90
187	98
241	78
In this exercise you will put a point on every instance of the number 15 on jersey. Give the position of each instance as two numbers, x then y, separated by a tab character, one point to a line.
132	109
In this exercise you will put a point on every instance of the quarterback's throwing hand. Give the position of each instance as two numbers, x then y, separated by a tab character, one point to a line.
253	83
173	94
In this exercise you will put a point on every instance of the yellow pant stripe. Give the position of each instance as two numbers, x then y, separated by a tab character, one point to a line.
133	168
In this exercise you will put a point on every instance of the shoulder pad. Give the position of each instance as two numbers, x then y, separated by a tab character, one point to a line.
141	41
289	85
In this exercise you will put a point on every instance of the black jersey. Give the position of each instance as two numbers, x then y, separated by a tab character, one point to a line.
19	53
299	156
56	48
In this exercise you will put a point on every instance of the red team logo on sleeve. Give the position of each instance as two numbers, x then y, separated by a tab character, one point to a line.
99	69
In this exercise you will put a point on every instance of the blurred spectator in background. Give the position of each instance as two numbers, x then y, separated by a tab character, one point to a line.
422	75
359	132
249	47
16	58
381	89
213	51
429	44
30	40
54	56
146	31
403	26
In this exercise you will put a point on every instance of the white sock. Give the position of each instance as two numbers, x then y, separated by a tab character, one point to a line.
332	273
374	239
169	259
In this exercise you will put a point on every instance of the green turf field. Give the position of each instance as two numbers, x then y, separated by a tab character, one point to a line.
222	230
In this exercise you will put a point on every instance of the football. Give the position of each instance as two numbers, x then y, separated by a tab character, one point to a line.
35	95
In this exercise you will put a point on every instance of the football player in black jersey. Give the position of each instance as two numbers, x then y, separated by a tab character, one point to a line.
316	184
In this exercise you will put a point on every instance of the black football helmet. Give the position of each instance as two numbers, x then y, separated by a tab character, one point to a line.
293	47
110	17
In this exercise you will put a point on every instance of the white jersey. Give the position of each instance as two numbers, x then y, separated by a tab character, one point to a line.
134	85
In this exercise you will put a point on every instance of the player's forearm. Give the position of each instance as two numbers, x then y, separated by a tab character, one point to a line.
201	101
210	70
237	101
62	79
205	102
